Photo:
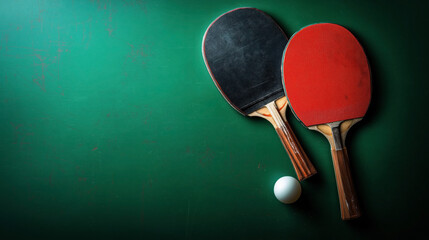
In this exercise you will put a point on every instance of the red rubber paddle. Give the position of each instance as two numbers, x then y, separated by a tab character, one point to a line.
327	81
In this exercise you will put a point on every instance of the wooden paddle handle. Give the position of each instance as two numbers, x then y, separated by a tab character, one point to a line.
303	167
346	192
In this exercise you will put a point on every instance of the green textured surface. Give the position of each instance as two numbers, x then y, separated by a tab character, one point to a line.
110	126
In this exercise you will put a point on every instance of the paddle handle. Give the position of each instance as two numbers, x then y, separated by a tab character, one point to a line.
302	165
336	133
346	192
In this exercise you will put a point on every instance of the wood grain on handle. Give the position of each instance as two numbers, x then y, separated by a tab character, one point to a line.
303	167
336	133
346	192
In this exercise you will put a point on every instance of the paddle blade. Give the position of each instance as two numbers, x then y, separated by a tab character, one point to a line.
326	75
243	50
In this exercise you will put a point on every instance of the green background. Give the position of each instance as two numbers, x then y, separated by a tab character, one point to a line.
111	127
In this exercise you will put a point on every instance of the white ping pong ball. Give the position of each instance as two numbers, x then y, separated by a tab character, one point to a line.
287	190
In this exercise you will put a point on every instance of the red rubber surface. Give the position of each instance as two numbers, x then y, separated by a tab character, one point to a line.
326	75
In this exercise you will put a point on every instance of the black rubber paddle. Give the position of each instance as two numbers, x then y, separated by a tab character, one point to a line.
243	51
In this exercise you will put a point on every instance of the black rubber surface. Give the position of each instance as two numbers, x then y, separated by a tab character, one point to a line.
243	52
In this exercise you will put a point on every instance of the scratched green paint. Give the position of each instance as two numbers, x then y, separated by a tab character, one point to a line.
112	128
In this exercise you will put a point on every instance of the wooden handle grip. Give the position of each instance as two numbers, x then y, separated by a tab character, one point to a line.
303	167
346	192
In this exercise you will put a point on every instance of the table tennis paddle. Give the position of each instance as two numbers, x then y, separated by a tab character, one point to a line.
326	78
242	50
